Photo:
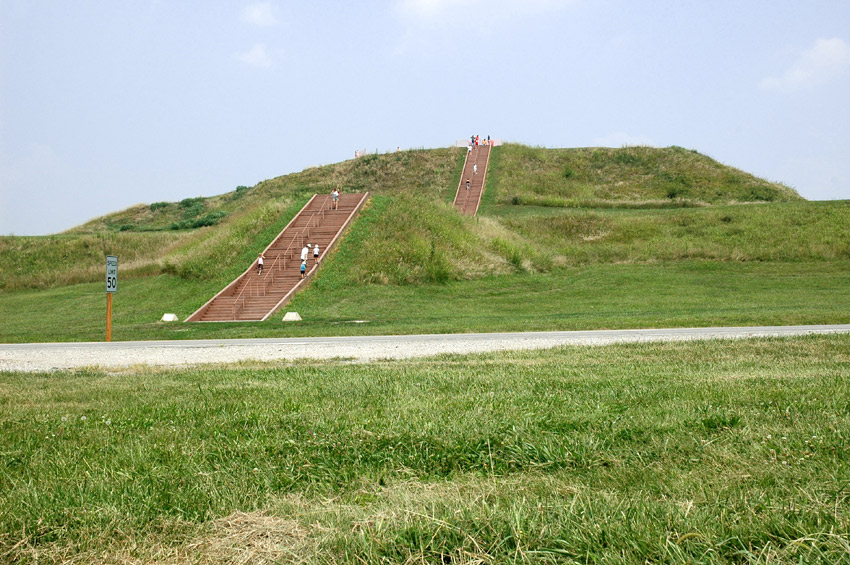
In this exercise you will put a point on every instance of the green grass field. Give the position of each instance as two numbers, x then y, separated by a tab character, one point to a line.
700	452
684	294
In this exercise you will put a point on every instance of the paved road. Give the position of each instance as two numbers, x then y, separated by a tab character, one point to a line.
57	356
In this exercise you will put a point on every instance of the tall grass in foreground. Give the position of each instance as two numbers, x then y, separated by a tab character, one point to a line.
706	452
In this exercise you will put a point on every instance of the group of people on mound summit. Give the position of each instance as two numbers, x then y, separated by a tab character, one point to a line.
475	140
305	251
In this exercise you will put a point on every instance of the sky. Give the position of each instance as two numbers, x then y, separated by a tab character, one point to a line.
107	104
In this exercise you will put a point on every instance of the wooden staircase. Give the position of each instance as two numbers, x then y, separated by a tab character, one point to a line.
254	297
467	201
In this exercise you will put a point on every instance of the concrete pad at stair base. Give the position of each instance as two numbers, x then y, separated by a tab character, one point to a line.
291	317
169	318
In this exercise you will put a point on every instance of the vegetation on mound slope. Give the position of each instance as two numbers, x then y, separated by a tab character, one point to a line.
597	177
790	231
411	235
209	253
60	260
429	173
404	241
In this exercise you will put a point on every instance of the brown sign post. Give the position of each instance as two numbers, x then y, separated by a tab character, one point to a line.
111	287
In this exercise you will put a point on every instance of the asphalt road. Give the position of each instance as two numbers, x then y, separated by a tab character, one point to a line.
114	355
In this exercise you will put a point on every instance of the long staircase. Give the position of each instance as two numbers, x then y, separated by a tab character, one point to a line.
255	297
467	200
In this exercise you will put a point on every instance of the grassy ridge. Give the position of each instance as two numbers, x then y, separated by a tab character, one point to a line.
792	231
405	239
629	176
424	172
61	260
209	253
246	220
712	452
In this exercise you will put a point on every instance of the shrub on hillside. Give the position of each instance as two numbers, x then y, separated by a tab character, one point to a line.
241	190
209	219
190	202
225	251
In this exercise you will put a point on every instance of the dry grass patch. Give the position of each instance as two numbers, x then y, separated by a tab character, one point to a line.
256	537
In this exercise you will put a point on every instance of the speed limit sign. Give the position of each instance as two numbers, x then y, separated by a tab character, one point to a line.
111	273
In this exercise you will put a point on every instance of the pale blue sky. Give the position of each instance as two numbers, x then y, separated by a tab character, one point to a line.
107	104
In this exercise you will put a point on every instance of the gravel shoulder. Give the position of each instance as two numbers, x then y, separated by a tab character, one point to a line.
37	357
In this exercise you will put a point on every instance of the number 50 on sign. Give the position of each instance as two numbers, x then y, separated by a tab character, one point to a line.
111	273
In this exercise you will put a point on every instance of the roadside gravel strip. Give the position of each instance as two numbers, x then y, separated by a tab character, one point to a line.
59	356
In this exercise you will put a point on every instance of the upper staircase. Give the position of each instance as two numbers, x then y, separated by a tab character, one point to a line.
255	297
467	200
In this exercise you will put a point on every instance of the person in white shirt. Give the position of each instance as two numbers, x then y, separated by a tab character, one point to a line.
304	251
260	264
316	252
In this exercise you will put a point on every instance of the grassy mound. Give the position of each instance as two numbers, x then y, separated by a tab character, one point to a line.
215	237
415	237
428	173
638	177
545	212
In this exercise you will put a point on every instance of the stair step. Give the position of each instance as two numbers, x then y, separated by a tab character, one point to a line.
254	296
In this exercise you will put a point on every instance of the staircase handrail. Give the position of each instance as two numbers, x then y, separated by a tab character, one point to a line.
239	301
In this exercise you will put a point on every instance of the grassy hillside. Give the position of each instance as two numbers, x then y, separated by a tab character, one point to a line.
546	212
213	237
627	177
428	173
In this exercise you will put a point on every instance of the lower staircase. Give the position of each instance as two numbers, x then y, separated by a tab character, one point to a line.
255	297
468	199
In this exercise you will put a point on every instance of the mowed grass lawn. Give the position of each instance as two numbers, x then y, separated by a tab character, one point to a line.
697	452
682	294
